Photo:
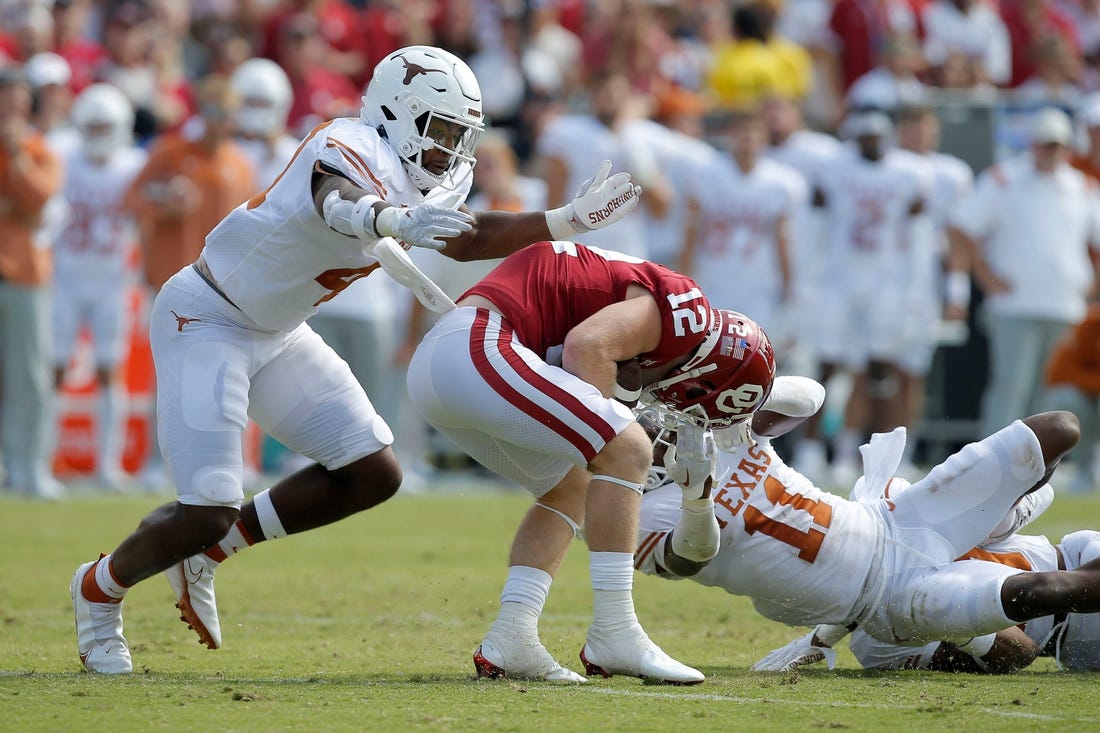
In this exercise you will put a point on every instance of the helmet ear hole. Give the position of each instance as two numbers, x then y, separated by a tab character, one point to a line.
389	115
695	393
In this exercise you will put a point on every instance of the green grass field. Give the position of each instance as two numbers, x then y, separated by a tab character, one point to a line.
369	625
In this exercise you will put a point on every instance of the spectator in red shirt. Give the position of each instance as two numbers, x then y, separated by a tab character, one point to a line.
1029	22
319	93
862	27
337	23
70	20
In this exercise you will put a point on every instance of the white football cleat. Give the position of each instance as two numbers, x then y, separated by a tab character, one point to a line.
99	639
192	580
499	657
631	652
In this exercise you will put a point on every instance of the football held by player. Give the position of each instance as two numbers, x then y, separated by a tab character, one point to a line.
230	341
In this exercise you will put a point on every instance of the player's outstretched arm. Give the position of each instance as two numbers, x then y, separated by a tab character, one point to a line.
601	201
355	212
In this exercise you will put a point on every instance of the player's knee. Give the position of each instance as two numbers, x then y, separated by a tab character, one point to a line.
628	455
1058	432
372	479
207	524
1030	595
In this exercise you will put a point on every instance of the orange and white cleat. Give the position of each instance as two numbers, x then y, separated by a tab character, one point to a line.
99	639
192	581
631	652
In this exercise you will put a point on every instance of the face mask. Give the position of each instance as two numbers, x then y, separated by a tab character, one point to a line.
99	147
256	121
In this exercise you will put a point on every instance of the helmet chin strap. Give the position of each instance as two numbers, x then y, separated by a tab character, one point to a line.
669	381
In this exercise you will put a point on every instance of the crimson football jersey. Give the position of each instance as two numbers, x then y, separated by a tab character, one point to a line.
547	288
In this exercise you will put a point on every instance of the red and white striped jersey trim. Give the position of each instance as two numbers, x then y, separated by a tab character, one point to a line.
492	347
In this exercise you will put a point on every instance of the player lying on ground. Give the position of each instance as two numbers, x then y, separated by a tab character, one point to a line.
230	341
486	376
804	555
1073	639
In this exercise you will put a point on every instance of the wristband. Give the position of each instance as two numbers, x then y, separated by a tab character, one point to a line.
957	288
562	223
629	396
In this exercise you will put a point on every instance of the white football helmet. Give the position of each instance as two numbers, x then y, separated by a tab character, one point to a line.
265	94
409	88
105	119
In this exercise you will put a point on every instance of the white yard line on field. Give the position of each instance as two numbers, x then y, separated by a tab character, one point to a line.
710	697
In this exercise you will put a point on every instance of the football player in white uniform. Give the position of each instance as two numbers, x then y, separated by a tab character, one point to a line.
737	240
875	199
92	258
1073	639
804	555
265	96
230	341
951	183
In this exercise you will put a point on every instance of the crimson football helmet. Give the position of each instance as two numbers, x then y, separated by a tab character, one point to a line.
728	377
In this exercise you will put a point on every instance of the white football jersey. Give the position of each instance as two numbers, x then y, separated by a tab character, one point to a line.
737	258
100	235
801	554
681	159
275	257
869	204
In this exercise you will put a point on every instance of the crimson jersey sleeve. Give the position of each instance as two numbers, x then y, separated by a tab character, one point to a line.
547	288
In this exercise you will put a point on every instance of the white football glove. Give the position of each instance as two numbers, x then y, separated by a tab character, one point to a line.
601	201
423	225
797	653
693	460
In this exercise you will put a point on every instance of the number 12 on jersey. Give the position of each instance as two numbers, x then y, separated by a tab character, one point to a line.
688	318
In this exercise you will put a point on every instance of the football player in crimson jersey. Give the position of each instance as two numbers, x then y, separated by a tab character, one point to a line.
522	375
885	561
230	340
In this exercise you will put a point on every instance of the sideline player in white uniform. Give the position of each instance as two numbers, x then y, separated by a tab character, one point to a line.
92	260
521	376
265	96
737	240
1073	639
230	341
803	555
929	301
874	198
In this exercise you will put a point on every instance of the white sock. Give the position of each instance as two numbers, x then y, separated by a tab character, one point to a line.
235	540
106	581
612	576
522	599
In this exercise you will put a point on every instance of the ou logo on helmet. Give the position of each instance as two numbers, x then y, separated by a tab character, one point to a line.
741	400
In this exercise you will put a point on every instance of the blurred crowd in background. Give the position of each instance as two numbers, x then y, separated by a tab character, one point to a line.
783	145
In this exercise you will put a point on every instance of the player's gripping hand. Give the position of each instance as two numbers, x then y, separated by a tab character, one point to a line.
422	226
694	461
600	202
798	653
